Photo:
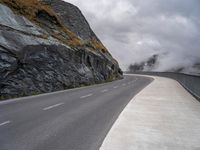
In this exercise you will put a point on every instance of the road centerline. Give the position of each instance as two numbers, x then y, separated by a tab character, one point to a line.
53	106
85	96
103	91
134	80
4	123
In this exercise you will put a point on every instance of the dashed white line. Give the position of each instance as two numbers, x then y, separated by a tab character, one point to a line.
103	91
4	123
134	80
53	106
86	96
115	87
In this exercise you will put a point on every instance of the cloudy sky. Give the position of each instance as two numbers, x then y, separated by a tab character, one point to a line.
134	30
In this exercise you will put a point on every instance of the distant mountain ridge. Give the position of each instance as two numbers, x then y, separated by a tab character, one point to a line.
152	63
47	46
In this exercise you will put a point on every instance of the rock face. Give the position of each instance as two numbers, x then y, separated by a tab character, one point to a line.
48	46
73	19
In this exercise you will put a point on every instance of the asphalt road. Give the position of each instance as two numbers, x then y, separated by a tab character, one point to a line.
77	119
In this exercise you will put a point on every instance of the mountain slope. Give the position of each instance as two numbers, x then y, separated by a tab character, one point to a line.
47	46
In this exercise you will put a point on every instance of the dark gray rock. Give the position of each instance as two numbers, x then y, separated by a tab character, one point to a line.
10	20
31	63
72	18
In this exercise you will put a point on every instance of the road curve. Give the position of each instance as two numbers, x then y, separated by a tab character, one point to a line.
76	119
163	116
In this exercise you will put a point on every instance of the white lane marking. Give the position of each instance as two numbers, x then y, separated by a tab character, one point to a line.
115	87
86	96
124	84
4	123
53	106
103	91
134	80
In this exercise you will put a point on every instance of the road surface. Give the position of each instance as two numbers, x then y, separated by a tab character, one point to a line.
76	119
163	116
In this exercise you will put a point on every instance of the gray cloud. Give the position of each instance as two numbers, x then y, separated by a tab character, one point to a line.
134	30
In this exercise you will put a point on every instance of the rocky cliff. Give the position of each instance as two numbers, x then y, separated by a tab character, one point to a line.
47	46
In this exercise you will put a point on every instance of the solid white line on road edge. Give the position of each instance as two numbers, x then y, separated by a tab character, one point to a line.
4	123
53	106
52	93
86	96
115	87
103	91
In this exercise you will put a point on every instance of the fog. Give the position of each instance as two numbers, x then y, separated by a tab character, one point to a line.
134	30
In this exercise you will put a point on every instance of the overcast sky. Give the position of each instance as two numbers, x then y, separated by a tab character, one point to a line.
134	30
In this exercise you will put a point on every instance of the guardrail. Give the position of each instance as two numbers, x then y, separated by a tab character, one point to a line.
189	82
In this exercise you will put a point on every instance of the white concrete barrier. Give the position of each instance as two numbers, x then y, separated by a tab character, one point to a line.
163	116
